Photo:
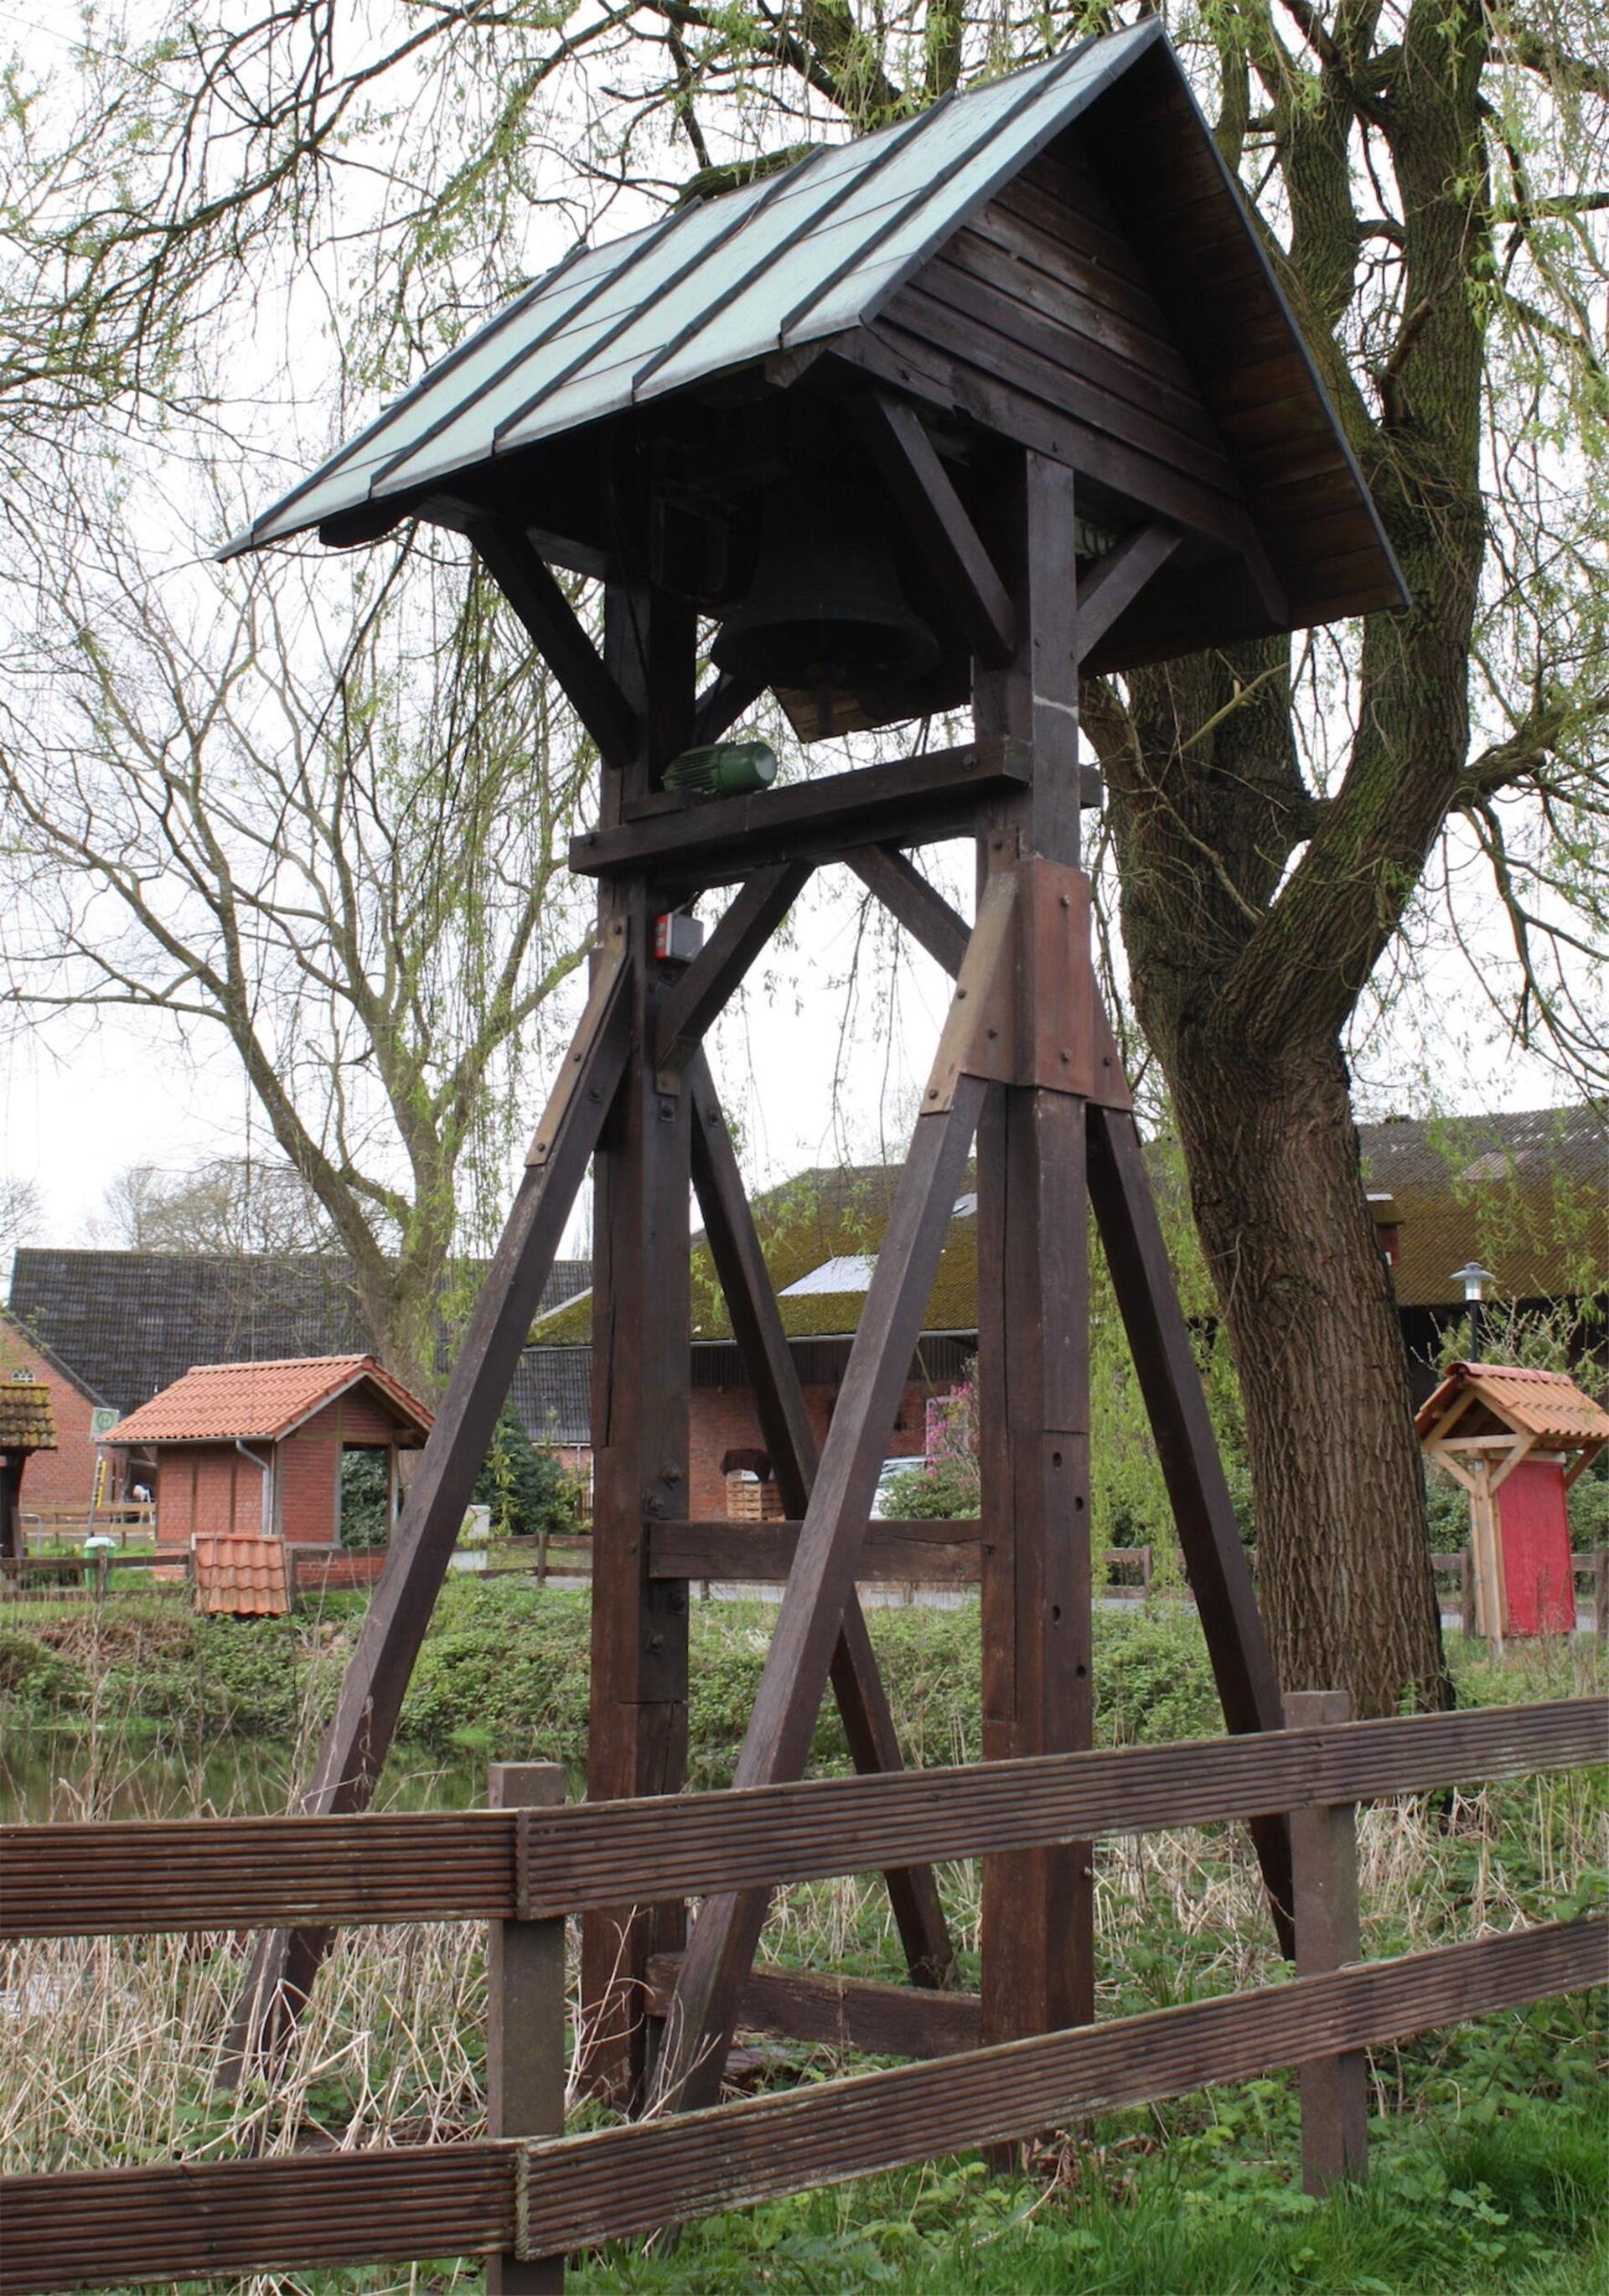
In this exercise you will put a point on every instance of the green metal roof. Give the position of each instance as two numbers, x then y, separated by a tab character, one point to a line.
801	255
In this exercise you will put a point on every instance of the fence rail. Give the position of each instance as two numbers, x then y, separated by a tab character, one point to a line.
527	1867
196	1873
98	2228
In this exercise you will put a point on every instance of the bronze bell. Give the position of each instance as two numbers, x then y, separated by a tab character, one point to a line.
824	612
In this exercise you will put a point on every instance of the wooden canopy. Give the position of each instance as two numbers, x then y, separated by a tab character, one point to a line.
1477	1406
1060	261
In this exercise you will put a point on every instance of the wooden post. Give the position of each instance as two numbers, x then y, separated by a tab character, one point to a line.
525	2024
1324	1858
1466	1590
641	1371
1483	1536
1600	1608
1033	1371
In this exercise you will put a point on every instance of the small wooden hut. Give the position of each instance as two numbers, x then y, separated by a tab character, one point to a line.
255	1449
1516	1440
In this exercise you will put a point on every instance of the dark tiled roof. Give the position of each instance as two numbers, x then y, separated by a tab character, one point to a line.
1525	1195
553	1395
65	1371
131	1322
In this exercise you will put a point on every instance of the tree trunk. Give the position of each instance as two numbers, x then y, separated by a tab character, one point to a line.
1343	1559
1208	807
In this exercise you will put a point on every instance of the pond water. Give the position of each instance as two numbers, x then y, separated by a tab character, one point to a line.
64	1775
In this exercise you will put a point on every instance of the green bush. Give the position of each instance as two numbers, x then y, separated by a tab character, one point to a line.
529	1491
35	1679
365	1491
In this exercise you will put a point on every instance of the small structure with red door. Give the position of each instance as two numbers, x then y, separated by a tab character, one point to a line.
1516	1440
248	1459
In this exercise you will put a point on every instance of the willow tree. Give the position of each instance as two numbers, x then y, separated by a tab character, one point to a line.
327	830
1282	821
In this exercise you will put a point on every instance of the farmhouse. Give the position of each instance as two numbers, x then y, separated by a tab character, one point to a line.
1527	1194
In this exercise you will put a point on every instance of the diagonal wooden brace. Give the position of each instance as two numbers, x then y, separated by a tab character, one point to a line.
358	1739
726	1931
785	1421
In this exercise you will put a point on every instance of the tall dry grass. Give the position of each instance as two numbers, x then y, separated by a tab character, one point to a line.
109	2049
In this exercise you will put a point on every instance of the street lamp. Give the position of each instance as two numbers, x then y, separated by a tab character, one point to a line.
1475	1278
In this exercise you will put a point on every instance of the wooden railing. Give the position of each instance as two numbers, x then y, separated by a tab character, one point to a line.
530	2194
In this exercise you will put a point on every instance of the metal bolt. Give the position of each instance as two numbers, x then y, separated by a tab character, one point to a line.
1066	1059
1066	904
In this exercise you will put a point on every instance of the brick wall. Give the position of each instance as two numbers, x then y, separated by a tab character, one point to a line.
309	1479
317	1570
65	1477
206	1490
723	1419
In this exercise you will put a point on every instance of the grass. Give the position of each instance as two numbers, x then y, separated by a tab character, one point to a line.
1489	2144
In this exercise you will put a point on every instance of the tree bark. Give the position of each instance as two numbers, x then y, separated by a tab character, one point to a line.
1344	1574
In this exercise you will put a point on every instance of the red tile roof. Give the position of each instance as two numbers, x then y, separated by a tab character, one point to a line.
243	1577
260	1402
1543	1403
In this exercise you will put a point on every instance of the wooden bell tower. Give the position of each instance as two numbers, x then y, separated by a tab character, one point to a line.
1032	337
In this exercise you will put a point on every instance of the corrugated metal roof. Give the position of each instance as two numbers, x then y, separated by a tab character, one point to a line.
1547	1404
259	1402
786	261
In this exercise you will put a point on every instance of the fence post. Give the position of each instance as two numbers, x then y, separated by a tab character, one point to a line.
525	2030
1466	1591
1324	1858
1600	1606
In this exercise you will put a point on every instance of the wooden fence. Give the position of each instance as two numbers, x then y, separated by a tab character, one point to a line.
527	2193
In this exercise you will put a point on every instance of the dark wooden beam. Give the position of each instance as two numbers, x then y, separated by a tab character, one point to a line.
641	1374
1164	1363
1114	582
785	1421
1037	1930
394	1624
695	1001
844	2012
550	623
913	801
721	1949
721	704
936	517
908	898
895	1551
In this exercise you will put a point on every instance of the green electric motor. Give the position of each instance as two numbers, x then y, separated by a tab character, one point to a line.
723	770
